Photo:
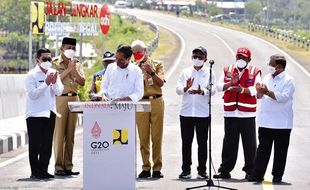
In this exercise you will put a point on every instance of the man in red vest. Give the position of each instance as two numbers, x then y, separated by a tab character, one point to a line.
238	83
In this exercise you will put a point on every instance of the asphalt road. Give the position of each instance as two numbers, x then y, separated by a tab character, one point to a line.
221	44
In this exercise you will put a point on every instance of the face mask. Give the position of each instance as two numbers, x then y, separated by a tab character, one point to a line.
241	63
69	53
271	69
138	57
198	62
46	65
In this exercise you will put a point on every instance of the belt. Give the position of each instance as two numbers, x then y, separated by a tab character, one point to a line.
69	94
151	97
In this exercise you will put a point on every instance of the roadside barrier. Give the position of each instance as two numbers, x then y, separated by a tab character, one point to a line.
283	35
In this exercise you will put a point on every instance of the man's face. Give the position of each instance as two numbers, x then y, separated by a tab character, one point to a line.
246	59
107	62
68	46
138	52
198	55
44	58
121	61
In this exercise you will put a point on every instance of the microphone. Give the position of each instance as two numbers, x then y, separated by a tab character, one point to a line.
211	62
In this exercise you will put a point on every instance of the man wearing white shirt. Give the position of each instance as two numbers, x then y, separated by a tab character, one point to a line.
42	86
238	83
193	86
123	80
275	119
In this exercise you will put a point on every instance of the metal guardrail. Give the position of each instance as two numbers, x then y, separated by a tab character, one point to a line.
284	35
153	44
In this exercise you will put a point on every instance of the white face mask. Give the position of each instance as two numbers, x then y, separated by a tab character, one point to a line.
198	62
46	65
241	63
69	53
271	69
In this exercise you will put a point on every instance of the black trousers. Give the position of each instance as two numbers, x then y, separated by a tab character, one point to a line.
234	127
188	125
40	135
281	139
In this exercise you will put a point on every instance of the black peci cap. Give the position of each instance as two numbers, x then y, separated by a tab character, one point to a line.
68	40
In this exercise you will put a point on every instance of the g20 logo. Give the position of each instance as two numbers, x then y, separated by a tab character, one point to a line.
97	145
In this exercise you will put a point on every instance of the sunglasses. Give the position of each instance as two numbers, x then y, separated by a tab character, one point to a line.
197	57
46	59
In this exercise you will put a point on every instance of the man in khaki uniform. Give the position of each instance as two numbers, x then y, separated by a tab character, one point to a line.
150	124
71	75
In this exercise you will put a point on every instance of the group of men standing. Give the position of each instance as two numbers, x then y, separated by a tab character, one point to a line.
121	80
242	84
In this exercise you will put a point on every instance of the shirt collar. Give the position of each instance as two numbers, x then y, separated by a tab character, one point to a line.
129	67
37	68
281	75
203	68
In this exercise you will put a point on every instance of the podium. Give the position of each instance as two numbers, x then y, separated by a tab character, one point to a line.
109	143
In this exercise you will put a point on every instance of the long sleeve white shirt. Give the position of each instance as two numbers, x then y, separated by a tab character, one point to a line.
252	89
194	105
277	114
41	98
119	83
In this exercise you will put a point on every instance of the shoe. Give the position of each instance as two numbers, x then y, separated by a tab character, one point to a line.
47	175
185	175
202	176
35	176
222	176
247	176
60	173
70	172
144	174
252	178
277	180
157	174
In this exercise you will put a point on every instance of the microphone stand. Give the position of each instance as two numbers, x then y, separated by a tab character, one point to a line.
210	182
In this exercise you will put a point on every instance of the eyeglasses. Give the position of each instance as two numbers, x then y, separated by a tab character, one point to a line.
197	57
46	59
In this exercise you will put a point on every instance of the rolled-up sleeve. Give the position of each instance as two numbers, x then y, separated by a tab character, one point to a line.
58	87
220	84
139	89
180	84
287	93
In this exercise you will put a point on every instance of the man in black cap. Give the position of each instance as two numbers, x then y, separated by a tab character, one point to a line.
72	76
108	57
193	86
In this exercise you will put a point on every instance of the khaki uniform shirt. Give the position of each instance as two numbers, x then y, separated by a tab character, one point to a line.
70	85
151	88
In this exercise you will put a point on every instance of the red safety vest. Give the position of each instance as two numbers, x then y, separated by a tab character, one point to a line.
242	102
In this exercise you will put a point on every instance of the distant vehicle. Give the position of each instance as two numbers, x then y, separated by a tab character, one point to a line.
120	4
130	4
220	17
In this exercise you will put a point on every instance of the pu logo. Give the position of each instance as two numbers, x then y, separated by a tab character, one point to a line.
120	136
37	17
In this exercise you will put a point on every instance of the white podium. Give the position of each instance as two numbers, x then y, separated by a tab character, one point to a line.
109	156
